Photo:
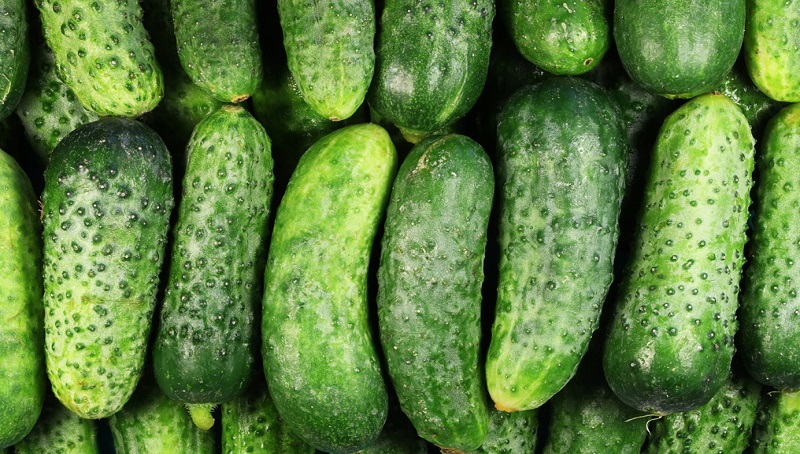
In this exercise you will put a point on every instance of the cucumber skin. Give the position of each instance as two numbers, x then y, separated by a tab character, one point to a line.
107	201
206	343
776	430
755	105
331	394
431	63
15	54
21	330
429	288
768	316
329	46
103	54
59	431
229	69
556	139
678	48
771	48
670	343
511	433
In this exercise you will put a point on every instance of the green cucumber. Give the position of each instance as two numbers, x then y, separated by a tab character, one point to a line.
218	46
678	48
329	46
431	62
670	343
770	307
21	337
103	54
755	105
429	288
59	431
319	357
107	202
15	54
511	433
562	153
561	37
397	437
772	46
777	430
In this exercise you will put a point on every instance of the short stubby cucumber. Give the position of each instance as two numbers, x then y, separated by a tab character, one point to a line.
106	206
21	338
776	430
562	154
59	431
772	47
15	54
329	47
218	46
429	288
319	354
511	433
207	340
103	54
768	317
670	343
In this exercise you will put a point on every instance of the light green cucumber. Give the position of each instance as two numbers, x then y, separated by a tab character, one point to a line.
59	431
511	433
15	54
772	47
777	429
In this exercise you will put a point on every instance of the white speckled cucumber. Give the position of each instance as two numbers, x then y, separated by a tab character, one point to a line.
59	431
772	47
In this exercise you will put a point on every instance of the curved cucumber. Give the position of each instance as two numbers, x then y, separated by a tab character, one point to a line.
772	47
107	201
59	431
429	288
15	54
21	338
562	156
777	430
670	343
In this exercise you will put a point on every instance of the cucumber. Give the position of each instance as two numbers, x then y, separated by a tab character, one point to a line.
431	62
107	202
771	48
206	342
562	153
678	49
15	54
429	288
319	357
21	335
329	46
777	430
755	105
59	431
561	37
511	433
218	46
397	437
770	335
103	54
670	343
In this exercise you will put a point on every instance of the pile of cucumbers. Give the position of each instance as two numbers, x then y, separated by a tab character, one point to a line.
399	226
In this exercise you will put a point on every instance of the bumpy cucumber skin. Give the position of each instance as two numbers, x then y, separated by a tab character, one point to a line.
670	343
776	430
21	331
329	47
678	48
772	47
757	107
59	431
103	54
218	46
319	356
431	62
561	37
206	342
15	54
511	433
429	288
107	202
49	110
770	336
562	153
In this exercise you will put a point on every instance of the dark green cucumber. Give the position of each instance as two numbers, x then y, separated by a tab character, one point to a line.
562	153
757	107
103	54
329	46
670	343
206	342
511	433
107	202
218	46
431	62
21	337
678	48
777	430
770	307
429	288
15	54
59	431
320	359
561	37
772	46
